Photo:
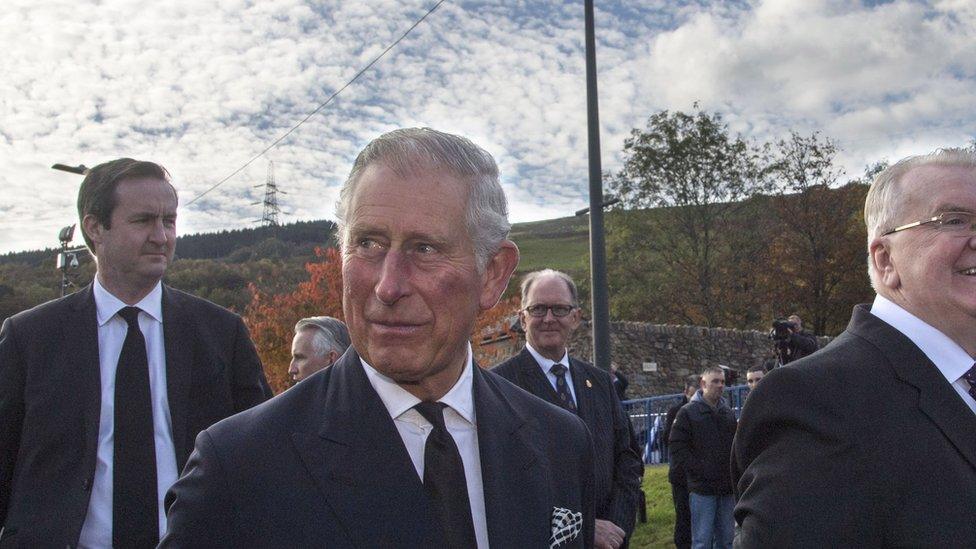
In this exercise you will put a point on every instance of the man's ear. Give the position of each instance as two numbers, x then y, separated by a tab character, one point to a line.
879	254
577	316
92	228
498	271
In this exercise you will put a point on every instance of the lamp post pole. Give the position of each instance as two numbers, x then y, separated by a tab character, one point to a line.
68	257
598	261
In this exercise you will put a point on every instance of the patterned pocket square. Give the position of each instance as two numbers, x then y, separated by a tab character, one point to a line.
566	526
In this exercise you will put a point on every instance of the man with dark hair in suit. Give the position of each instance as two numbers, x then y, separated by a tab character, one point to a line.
550	314
102	392
405	441
871	441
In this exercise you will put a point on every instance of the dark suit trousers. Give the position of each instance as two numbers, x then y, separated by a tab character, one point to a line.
682	516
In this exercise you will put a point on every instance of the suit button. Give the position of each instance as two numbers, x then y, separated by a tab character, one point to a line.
87	485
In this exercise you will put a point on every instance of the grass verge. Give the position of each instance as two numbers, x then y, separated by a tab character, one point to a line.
658	531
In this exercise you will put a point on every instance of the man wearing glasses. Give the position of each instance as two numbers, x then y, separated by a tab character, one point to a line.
550	315
871	441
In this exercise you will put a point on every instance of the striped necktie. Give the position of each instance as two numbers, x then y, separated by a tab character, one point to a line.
562	389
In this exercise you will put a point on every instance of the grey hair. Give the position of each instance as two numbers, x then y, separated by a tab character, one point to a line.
408	150
329	333
530	279
711	370
883	205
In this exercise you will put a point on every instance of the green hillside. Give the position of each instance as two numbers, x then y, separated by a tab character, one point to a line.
561	244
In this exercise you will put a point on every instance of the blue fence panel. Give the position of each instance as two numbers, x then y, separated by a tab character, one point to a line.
649	415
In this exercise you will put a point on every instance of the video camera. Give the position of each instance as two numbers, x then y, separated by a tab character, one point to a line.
781	330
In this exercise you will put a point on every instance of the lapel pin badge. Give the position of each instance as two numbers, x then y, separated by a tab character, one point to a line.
588	384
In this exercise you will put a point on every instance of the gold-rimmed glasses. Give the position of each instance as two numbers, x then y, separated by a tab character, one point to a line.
962	223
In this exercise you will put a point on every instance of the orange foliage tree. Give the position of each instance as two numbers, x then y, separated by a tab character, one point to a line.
271	318
494	334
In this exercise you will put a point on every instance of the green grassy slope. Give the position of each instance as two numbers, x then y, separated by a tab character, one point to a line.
658	531
561	244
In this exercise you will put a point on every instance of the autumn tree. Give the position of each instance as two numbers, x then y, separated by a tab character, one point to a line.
670	262
271	318
493	325
819	246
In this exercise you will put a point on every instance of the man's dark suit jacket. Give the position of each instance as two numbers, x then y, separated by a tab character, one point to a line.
862	444
50	397
617	464
323	465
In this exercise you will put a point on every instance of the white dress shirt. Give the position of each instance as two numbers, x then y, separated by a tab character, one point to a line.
112	328
460	420
546	364
951	359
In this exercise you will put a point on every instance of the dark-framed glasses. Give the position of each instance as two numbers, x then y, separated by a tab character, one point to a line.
540	310
959	223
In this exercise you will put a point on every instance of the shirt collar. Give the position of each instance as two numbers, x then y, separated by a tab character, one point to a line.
398	400
950	358
107	305
544	362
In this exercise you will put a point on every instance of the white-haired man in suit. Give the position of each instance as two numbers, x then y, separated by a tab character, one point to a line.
871	441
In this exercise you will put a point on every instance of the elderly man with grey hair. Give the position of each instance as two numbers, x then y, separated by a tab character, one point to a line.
404	441
550	315
871	442
319	341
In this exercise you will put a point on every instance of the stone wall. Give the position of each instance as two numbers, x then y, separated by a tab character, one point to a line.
657	357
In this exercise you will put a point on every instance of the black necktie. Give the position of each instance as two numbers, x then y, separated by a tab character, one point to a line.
970	376
444	483
135	520
562	390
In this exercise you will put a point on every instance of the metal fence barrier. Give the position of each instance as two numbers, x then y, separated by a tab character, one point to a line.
649	415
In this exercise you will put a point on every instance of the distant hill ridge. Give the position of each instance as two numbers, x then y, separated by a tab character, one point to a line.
230	245
216	245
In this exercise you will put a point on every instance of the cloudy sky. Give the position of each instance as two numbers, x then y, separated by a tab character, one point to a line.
202	86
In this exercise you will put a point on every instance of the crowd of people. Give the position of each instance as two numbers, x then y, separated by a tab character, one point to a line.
135	415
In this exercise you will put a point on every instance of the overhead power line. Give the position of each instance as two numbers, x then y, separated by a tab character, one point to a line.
320	107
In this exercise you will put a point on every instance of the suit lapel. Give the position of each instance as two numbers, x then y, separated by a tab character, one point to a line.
178	341
356	457
956	421
584	392
937	399
82	339
510	470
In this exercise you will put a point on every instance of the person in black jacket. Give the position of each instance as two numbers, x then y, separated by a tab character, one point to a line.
676	474
796	343
701	444
620	382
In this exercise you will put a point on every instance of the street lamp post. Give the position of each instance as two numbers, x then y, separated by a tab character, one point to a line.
67	261
598	261
80	169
